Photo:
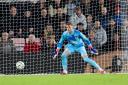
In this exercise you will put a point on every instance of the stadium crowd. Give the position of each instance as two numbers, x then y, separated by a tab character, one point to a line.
30	31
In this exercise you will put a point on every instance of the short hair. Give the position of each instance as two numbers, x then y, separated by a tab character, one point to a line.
12	5
69	23
78	8
43	9
88	15
59	8
62	21
111	19
80	23
49	24
97	20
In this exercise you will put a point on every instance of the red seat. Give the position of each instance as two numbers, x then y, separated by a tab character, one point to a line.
19	43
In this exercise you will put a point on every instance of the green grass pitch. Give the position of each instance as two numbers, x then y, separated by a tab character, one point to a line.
70	79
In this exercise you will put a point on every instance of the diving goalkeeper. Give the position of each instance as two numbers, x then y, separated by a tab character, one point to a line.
76	42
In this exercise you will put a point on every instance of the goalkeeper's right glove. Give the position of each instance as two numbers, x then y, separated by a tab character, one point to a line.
92	50
56	53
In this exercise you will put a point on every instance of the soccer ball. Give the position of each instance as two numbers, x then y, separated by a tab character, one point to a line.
20	65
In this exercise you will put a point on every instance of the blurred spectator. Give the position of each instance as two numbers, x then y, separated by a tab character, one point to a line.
54	5
32	31
125	24
48	31
124	39
20	33
43	21
58	4
6	44
117	15
11	34
70	7
47	5
104	17
97	5
100	36
33	57
78	17
11	22
80	27
94	8
58	31
45	17
27	22
59	16
7	53
62	26
32	46
124	35
113	35
44	4
84	5
111	5
48	47
90	24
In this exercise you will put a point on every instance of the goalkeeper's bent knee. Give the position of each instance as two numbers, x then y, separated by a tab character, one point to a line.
84	55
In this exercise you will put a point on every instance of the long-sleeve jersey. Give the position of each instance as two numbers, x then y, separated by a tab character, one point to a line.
75	38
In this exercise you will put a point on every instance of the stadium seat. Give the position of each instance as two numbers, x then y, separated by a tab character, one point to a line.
19	43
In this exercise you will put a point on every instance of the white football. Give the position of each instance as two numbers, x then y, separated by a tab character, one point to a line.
20	65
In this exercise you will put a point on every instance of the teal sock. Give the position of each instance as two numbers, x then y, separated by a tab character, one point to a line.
64	62
92	62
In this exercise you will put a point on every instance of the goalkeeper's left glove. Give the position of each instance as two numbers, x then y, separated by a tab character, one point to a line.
92	50
56	54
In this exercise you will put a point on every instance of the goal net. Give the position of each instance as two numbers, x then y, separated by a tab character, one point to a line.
31	29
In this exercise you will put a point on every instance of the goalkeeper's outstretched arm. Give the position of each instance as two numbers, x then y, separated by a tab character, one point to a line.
59	45
87	41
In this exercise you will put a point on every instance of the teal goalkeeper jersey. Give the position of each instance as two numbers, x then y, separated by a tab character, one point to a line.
75	38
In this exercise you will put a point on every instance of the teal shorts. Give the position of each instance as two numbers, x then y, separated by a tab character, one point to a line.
73	49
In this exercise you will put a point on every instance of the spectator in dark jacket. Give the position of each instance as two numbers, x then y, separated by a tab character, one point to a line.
90	24
7	54
59	16
27	22
6	44
94	8
48	49
10	22
58	31
43	21
80	27
104	17
113	34
54	5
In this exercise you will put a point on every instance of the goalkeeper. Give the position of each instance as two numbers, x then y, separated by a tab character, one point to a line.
75	44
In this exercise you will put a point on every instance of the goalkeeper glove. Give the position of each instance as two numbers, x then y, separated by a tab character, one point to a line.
56	53
92	50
